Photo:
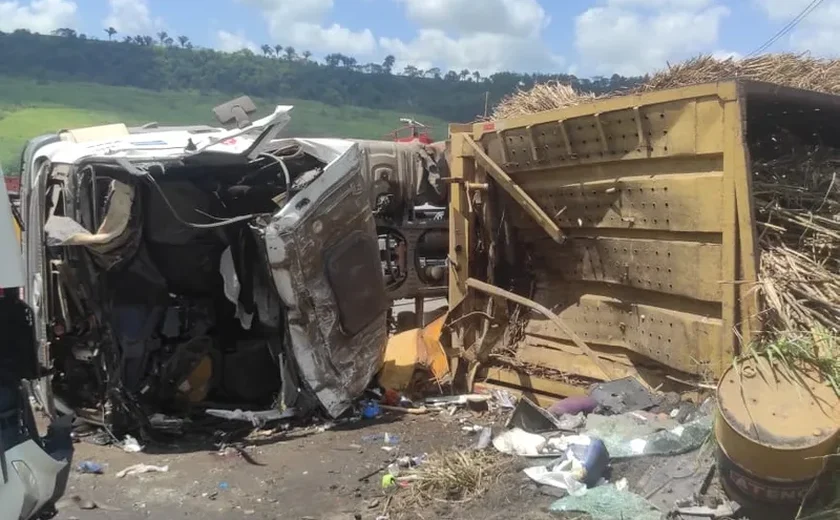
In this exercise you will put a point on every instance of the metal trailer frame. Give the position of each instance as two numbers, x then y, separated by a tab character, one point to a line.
637	213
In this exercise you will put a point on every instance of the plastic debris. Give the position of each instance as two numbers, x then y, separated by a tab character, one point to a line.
622	484
90	467
519	442
571	423
224	486
485	437
138	469
560	477
608	503
573	405
582	465
388	481
371	410
131	445
386	438
504	399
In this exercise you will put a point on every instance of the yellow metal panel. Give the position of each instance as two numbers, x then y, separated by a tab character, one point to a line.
665	202
649	190
535	350
514	190
523	380
461	167
677	339
731	169
683	268
747	255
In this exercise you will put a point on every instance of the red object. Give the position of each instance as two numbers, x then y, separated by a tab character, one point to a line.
391	397
12	185
412	131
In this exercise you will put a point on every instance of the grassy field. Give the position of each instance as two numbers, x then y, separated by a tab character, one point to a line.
29	108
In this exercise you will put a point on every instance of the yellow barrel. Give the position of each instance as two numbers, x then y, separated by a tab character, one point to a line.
774	428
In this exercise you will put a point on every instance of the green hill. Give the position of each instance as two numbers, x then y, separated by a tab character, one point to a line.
29	108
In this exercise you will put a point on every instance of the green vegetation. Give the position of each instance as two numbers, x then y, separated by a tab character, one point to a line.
162	64
49	82
29	108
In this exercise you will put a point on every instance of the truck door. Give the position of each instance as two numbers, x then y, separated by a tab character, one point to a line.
324	258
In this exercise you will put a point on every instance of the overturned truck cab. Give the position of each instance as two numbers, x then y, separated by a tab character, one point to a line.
172	268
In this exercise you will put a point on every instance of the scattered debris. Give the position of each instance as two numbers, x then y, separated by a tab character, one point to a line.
371	410
386	438
582	465
635	434
456	400
485	437
530	417
503	399
608	503
257	419
138	469
622	396
722	511
131	445
573	405
455	476
519	442
90	467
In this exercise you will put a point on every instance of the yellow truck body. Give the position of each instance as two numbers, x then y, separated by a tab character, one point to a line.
636	214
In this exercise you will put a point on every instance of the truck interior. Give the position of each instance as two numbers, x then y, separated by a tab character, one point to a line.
169	263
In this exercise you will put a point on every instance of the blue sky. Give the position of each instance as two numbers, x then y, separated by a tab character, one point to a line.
585	37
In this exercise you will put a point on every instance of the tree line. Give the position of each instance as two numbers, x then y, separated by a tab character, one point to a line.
166	62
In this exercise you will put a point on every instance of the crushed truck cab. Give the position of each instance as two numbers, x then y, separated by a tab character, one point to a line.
168	267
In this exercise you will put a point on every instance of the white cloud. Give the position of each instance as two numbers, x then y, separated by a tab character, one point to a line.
632	37
131	17
488	36
484	52
41	16
300	23
312	36
512	17
817	33
230	42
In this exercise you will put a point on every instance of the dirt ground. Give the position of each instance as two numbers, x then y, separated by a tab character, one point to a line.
300	474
